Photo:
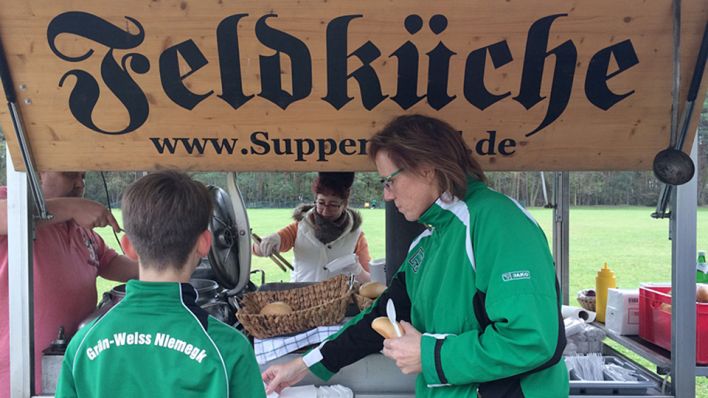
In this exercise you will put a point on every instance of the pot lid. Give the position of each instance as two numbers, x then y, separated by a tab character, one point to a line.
230	253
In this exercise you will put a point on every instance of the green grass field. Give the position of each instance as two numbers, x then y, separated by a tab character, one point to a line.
632	243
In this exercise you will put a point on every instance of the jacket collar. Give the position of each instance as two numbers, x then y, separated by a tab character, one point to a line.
438	214
184	292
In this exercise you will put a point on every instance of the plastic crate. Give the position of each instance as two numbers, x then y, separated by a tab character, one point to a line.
655	320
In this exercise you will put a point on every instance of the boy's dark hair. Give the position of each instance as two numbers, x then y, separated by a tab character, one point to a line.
164	213
413	141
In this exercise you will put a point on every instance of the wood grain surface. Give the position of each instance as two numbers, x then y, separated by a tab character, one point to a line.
317	118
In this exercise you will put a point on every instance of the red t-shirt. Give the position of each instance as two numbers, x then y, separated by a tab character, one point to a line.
67	259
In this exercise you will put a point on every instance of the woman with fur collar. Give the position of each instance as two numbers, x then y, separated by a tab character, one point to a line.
326	236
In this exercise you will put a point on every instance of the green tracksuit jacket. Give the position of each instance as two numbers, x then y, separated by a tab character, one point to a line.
480	284
157	342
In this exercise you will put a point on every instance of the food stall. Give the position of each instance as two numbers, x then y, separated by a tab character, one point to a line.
300	85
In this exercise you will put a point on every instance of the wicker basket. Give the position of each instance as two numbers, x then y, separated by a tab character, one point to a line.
362	302
585	301
319	304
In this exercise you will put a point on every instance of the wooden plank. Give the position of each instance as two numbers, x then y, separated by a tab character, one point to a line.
319	118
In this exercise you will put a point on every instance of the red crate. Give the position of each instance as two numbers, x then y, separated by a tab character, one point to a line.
655	320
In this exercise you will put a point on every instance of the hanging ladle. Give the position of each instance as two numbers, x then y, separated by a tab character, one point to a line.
672	166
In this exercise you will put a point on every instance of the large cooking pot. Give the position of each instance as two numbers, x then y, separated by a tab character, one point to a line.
207	298
207	290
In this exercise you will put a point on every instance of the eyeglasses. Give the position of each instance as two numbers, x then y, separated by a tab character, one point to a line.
331	205
387	181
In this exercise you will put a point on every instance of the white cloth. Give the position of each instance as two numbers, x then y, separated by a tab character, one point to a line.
310	391
276	347
347	264
311	255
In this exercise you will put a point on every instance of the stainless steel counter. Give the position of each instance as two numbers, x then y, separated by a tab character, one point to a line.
378	377
373	376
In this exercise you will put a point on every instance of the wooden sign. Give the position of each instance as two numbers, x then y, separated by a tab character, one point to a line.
301	84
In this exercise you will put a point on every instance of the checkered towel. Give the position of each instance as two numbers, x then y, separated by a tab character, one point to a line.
276	347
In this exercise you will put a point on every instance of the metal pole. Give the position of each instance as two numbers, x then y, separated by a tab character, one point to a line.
25	151
561	231
19	243
544	190
663	202
685	121
683	282
676	83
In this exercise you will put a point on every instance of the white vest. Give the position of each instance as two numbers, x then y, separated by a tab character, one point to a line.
311	255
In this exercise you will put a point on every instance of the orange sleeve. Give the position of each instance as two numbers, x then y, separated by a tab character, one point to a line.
362	250
287	237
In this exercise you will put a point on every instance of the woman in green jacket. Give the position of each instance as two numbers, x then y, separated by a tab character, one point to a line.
477	293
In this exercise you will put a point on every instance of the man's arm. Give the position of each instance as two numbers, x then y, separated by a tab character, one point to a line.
85	212
120	269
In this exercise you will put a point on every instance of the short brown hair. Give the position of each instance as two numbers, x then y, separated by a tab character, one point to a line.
164	213
413	141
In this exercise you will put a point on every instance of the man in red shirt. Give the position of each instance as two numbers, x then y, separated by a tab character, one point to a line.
68	256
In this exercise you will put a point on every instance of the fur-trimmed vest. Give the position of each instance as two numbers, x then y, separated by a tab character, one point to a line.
311	255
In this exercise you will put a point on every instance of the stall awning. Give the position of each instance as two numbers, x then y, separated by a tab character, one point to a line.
302	84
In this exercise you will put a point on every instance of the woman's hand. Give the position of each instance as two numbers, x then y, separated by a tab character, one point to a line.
405	351
270	245
277	377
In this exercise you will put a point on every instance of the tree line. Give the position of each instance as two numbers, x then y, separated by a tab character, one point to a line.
287	189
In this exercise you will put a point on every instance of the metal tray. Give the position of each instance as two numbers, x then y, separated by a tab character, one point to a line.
610	386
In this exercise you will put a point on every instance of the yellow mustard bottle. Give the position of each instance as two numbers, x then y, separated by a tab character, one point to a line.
605	280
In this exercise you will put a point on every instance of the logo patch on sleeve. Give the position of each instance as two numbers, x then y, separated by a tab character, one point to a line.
416	260
516	275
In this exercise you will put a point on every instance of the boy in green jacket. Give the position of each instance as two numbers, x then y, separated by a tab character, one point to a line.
157	342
